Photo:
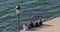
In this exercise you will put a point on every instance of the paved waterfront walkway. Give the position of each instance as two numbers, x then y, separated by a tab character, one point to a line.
48	26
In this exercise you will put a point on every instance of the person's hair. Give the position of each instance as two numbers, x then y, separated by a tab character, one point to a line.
25	24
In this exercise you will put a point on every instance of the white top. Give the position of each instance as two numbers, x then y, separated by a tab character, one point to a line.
24	27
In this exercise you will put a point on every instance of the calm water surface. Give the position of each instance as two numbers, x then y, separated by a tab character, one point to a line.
30	10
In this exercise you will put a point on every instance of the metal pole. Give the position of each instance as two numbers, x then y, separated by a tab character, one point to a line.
18	23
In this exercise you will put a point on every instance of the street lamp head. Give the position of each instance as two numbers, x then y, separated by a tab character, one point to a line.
18	7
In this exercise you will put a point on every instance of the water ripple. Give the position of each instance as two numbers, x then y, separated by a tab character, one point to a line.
30	11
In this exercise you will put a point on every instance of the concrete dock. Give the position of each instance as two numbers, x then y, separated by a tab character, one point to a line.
48	26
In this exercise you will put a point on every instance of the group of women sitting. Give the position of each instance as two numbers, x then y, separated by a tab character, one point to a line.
32	25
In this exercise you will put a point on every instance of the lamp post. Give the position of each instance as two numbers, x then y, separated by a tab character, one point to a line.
17	13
